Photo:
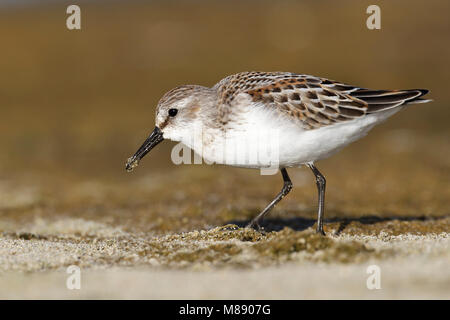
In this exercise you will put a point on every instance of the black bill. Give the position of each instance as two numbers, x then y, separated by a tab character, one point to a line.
155	137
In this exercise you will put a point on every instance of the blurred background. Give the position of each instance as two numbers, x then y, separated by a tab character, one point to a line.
75	104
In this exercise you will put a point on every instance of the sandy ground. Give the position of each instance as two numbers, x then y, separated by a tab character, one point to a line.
428	279
222	263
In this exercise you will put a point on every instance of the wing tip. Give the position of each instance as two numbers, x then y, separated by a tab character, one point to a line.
418	99
394	98
422	92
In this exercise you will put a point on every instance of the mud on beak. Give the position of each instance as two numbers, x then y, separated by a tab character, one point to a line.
154	138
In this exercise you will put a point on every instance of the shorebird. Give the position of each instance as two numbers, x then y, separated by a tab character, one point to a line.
314	117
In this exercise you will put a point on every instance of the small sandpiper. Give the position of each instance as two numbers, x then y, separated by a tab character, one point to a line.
315	117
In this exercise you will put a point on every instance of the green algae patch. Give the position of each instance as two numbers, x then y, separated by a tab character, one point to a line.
230	246
225	233
308	245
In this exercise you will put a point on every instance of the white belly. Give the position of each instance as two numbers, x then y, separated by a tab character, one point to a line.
262	140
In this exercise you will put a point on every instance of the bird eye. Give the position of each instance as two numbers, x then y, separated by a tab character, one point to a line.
173	112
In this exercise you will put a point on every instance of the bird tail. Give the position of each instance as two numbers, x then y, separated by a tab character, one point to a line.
381	100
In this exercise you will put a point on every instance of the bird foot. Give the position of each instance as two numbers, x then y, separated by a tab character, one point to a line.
320	231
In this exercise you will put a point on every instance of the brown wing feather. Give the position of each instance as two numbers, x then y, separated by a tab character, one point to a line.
309	100
316	102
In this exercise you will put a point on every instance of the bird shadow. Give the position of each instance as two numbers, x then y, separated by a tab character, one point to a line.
300	223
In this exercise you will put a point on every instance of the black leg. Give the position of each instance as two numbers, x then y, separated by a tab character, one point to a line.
321	182
287	186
